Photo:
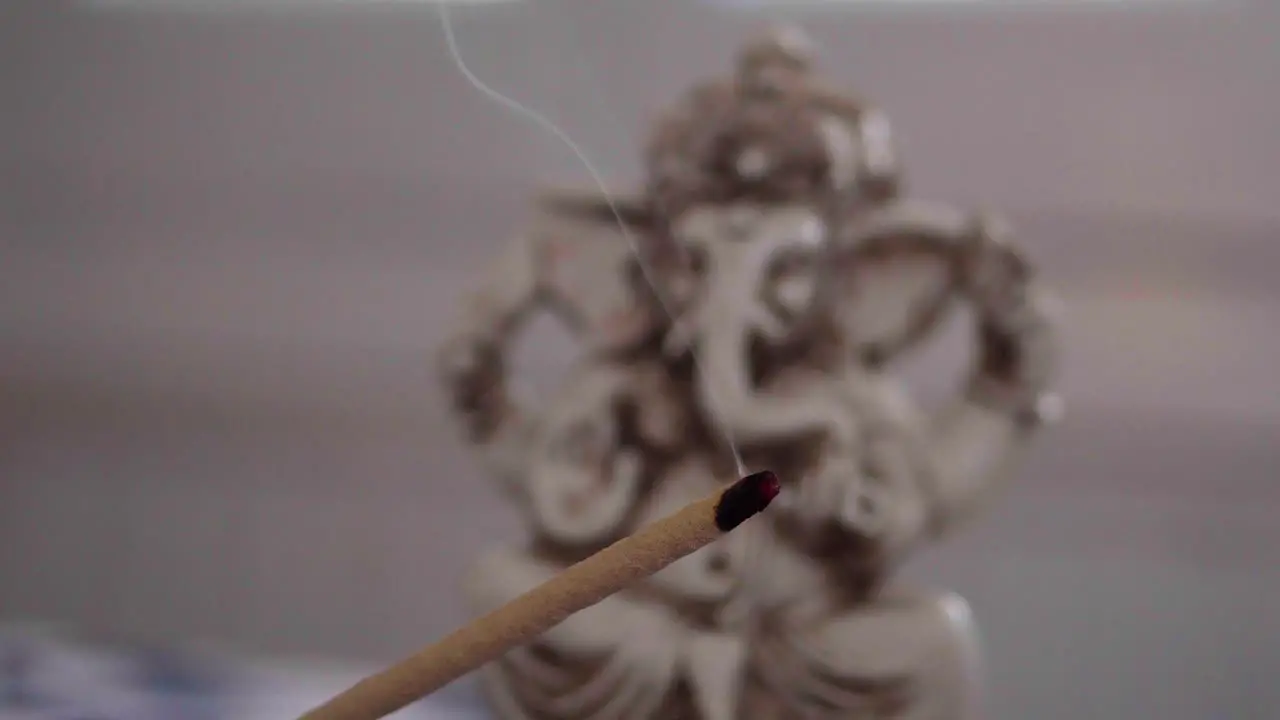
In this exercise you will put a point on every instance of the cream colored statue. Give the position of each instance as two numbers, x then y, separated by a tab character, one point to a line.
751	305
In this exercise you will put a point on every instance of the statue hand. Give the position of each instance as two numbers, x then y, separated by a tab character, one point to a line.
879	502
818	499
994	275
839	493
1017	327
473	374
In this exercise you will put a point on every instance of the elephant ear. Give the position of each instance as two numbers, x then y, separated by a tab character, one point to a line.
897	275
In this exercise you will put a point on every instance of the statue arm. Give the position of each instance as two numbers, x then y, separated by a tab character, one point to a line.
572	264
903	267
473	361
976	443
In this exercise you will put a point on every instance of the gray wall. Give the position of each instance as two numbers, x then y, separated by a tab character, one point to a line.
227	243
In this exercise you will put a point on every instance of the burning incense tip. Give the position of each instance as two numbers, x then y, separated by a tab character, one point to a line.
746	498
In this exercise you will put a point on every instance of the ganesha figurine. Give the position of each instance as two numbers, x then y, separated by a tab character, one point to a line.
746	311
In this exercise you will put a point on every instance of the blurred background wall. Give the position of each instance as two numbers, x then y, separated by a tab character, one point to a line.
230	241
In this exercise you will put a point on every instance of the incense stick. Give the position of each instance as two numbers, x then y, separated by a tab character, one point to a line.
522	620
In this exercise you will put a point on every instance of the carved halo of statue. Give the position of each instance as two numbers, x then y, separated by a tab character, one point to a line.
782	275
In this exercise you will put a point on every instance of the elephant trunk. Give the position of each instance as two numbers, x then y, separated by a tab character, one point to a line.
729	394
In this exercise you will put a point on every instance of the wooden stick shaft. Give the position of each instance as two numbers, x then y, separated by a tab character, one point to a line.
524	619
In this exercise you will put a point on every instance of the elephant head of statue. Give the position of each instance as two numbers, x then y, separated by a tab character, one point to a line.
781	229
786	244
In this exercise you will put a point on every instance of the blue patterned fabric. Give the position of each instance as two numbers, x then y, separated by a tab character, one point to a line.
46	677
